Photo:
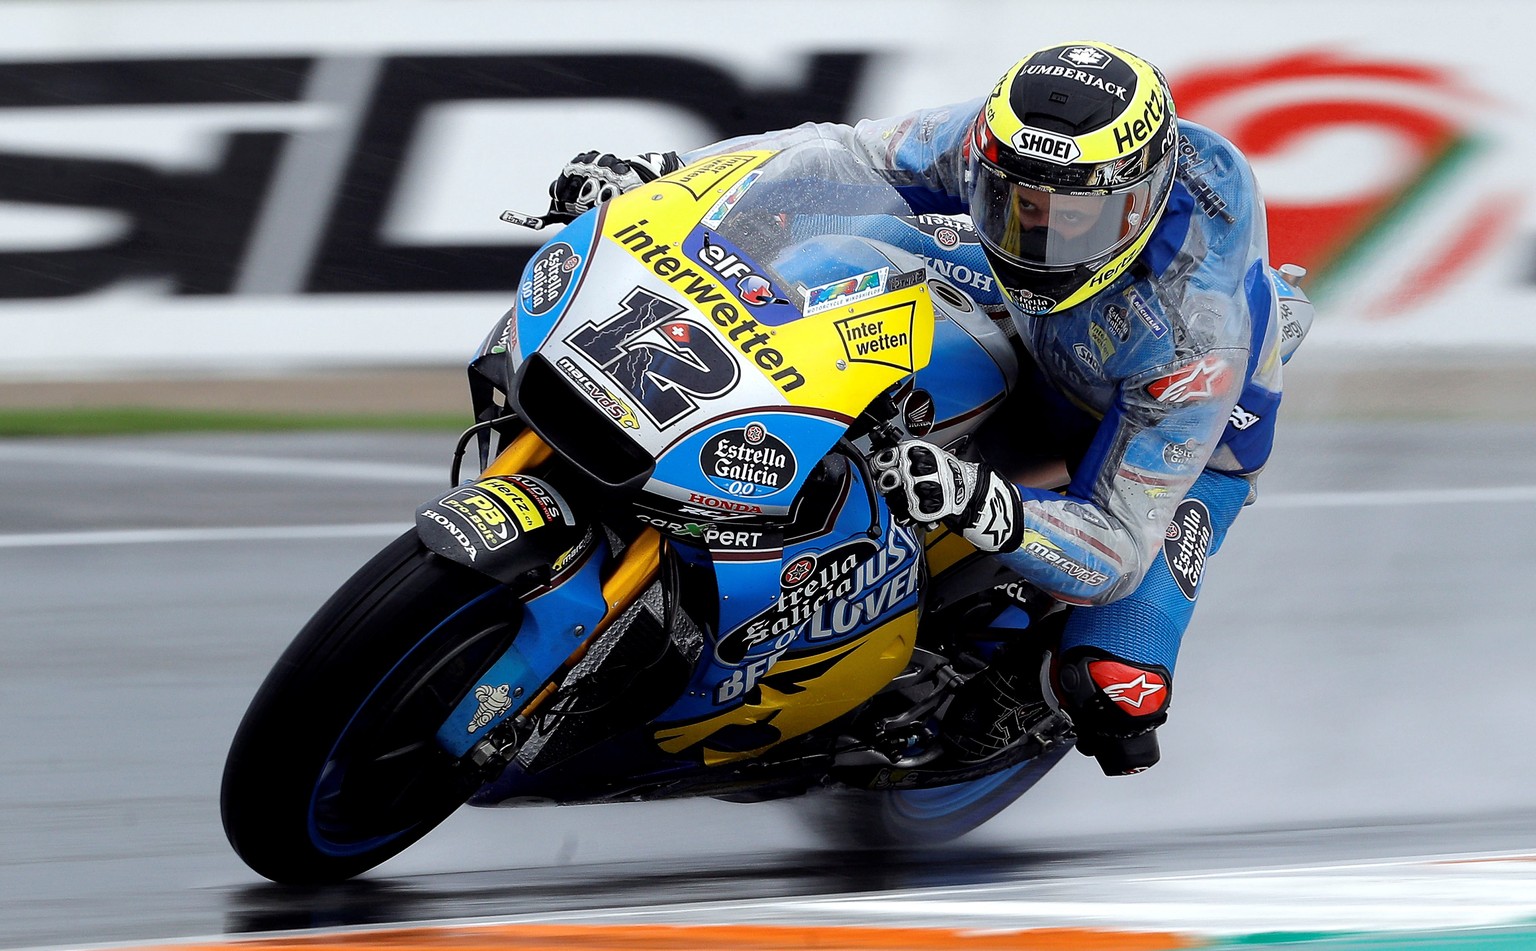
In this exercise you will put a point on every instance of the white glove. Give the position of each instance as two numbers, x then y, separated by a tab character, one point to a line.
591	178
928	485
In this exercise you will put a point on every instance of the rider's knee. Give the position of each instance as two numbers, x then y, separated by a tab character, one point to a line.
1116	706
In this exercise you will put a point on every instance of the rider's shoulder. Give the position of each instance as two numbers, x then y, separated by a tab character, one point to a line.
1206	154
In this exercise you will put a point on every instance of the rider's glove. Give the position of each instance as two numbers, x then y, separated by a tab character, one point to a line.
590	178
928	485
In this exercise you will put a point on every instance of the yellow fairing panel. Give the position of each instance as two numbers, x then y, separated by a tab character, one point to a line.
836	359
801	693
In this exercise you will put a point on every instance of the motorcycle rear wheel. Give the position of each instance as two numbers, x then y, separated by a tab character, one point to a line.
335	767
909	818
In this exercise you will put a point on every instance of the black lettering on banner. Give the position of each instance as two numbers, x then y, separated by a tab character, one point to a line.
357	258
657	357
188	227
193	228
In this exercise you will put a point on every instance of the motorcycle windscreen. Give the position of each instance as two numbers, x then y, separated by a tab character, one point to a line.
677	327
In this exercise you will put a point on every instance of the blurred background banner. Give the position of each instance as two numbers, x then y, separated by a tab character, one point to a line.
230	184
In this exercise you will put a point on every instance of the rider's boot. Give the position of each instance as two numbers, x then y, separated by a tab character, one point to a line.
1114	705
1000	709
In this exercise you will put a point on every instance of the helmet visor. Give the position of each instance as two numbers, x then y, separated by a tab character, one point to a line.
1058	229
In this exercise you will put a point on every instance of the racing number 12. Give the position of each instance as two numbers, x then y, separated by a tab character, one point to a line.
657	357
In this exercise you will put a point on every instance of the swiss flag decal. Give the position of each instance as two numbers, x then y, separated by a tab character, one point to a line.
680	332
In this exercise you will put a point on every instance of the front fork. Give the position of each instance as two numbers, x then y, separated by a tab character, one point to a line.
517	528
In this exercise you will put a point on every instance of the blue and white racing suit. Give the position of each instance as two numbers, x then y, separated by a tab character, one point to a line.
1165	384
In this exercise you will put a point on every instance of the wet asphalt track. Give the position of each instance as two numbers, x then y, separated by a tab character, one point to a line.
1357	684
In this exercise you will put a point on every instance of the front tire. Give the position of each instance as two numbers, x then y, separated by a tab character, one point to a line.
335	767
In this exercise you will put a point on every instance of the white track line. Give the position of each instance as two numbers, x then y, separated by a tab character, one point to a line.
154	536
108	459
149	536
1410	894
1409	497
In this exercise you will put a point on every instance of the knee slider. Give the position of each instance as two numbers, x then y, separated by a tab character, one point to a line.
1115	705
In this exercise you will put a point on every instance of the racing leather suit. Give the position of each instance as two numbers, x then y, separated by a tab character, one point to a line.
1167	381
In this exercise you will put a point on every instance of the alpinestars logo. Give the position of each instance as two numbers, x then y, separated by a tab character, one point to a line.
1201	381
998	521
1134	693
1145	692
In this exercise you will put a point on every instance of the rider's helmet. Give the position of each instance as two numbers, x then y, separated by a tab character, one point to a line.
1070	165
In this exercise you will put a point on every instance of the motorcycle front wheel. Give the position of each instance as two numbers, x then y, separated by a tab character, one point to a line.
335	767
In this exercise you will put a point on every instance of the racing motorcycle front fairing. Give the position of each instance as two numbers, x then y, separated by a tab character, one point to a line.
694	361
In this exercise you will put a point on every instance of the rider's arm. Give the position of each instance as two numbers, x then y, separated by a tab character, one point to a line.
1167	422
1094	544
920	153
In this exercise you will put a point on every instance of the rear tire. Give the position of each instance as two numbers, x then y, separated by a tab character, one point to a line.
912	818
335	767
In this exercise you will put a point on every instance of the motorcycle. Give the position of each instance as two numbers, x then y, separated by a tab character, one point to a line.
675	575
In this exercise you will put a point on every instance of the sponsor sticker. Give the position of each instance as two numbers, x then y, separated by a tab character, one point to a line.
1186	543
918	413
1101	341
882	337
498	510
749	461
724	205
1179	455
1031	303
1044	549
699	177
484	515
797	572
830	595
1086	57
1242	419
1117	321
1148	316
533	504
847	291
1087	357
549	275
453	530
1047	146
493	701
977	278
602	397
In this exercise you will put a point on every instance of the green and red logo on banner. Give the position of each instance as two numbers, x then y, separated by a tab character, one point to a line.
1382	146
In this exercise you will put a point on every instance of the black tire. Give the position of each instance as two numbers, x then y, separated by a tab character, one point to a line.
916	818
335	767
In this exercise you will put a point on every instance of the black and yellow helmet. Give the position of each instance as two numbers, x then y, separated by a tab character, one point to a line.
1071	163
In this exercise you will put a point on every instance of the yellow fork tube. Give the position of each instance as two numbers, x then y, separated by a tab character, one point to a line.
636	569
526	452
